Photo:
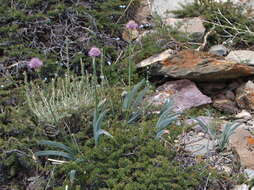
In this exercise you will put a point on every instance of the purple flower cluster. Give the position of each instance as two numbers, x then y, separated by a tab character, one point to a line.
131	25
94	52
35	63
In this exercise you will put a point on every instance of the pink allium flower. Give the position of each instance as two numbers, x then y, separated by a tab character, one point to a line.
166	131
35	63
131	25
94	52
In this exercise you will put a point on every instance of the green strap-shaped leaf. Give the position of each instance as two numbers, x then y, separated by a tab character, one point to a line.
99	133
134	117
140	98
129	98
55	153
57	145
164	123
72	175
165	118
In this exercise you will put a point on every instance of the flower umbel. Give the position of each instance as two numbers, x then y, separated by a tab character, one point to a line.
131	25
35	63
94	52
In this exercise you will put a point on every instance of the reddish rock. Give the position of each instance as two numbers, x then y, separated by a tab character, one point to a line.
241	142
184	93
201	66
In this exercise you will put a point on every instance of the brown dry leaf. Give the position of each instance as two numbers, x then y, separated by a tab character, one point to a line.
129	35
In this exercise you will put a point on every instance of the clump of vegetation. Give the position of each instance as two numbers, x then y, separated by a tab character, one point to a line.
220	139
230	23
59	99
134	160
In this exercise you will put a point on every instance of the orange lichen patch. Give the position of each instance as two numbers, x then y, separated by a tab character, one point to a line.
245	69
250	140
190	58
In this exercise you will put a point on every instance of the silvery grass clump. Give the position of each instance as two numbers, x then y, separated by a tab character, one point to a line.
60	98
221	140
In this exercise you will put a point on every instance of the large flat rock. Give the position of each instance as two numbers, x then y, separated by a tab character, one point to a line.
198	66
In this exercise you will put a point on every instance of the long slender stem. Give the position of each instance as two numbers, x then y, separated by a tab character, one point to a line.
129	62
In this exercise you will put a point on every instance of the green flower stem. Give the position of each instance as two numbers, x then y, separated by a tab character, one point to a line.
95	85
129	63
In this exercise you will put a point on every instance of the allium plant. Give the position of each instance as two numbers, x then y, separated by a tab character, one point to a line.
131	25
35	63
94	52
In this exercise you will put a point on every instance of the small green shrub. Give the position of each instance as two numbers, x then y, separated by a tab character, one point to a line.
135	160
230	22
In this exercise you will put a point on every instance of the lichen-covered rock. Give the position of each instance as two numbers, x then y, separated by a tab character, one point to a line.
245	96
200	66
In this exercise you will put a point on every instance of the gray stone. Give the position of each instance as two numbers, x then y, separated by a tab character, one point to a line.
220	50
241	56
241	187
156	58
193	26
249	173
163	8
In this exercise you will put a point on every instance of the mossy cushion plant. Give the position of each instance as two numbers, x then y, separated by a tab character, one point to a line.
132	160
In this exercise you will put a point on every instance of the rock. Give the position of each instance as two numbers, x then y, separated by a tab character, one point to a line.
249	173
184	93
198	66
143	12
193	26
241	187
197	145
156	58
243	115
225	105
245	96
163	8
243	147
36	183
212	88
241	56
230	95
220	50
